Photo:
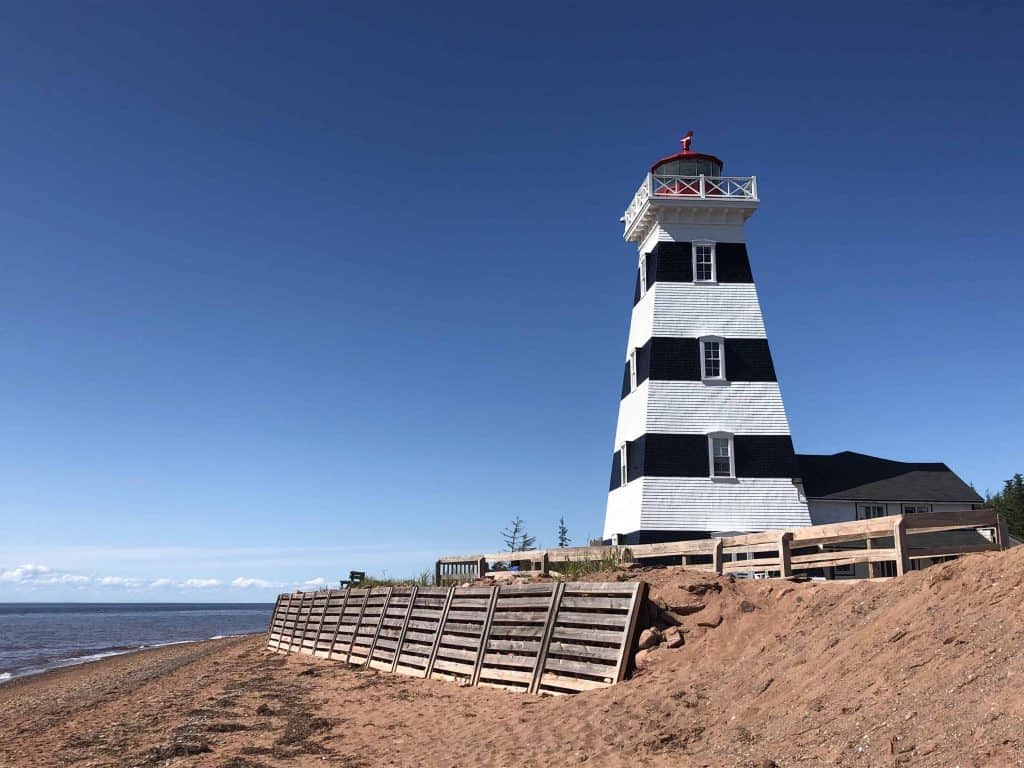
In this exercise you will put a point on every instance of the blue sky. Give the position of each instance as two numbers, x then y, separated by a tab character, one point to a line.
290	290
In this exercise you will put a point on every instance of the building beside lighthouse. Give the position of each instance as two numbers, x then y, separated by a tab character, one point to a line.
702	443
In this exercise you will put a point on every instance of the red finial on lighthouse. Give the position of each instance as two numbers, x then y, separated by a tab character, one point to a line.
685	141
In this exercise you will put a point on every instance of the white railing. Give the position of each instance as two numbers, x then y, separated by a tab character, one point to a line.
700	187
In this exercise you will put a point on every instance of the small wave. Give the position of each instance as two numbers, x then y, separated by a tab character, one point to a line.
4	677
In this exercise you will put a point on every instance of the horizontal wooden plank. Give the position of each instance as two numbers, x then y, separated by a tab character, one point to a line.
452	666
600	652
921	553
552	680
592	669
507	675
822	559
586	635
590	619
596	603
508	660
456	653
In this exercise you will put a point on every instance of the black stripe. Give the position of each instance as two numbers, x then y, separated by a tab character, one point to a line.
673	263
614	482
659	455
748	360
672	359
765	456
732	264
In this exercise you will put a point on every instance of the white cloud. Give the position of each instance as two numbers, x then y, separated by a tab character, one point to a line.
319	581
243	582
31	573
161	583
120	581
199	583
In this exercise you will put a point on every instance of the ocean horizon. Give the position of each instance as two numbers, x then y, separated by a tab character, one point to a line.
36	637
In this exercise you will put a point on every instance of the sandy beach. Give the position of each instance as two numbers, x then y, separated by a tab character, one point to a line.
924	671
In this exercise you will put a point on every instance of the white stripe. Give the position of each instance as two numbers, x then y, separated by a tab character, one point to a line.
692	310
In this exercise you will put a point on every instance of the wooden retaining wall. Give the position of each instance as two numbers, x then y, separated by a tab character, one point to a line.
558	638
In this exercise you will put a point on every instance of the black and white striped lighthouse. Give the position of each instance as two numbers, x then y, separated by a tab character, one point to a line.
702	443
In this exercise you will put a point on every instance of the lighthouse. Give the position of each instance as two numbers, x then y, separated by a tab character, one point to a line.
702	443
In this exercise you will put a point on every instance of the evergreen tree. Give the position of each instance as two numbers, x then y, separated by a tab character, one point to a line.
513	535
1009	502
563	533
527	542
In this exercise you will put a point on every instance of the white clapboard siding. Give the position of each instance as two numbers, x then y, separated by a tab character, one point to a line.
702	504
692	310
622	514
824	511
696	408
632	415
728	230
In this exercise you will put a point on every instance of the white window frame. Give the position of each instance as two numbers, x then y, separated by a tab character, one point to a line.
712	436
862	511
704	340
643	275
623	464
632	370
714	260
912	509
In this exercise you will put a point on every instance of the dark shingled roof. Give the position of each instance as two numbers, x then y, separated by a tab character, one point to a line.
857	476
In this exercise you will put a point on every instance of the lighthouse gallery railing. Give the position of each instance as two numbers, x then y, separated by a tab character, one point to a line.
699	187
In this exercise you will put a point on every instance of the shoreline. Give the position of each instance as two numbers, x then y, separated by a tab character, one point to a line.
97	660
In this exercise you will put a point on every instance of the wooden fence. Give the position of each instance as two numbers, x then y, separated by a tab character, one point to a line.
556	638
894	539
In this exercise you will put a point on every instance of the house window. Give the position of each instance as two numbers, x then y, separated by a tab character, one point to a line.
720	450
704	262
712	365
885	569
913	509
643	275
632	370
623	464
869	511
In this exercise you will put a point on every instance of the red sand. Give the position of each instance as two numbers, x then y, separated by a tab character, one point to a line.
924	671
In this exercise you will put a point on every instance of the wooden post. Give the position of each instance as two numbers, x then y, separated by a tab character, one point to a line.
1002	532
481	567
485	635
716	557
899	542
295	627
380	625
320	625
405	627
273	618
440	628
437	574
872	565
545	640
355	627
785	563
337	627
545	563
684	560
639	598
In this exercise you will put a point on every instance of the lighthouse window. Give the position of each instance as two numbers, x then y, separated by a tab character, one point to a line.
720	447
643	275
632	370
711	358
704	262
623	465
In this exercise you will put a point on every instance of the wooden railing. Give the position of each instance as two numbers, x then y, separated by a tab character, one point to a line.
896	539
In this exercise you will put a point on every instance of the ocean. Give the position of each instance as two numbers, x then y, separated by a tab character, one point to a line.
35	637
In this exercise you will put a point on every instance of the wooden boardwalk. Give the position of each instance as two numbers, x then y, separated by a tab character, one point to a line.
557	638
